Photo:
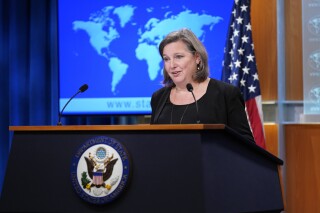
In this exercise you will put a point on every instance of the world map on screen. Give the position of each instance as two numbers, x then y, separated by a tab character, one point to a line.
113	47
102	28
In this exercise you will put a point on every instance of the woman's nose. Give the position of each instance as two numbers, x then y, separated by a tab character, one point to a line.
172	63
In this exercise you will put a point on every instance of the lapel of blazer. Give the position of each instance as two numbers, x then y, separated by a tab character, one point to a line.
162	101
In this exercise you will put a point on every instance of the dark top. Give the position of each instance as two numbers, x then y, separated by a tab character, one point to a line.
221	104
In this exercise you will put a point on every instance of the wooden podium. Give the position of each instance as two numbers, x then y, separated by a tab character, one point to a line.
175	168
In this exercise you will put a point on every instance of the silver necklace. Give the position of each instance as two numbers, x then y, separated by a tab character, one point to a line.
182	113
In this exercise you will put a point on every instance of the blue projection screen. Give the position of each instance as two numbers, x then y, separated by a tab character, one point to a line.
113	47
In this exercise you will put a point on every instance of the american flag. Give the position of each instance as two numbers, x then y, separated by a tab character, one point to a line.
240	69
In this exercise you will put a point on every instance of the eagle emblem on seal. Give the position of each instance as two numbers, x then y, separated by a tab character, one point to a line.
99	170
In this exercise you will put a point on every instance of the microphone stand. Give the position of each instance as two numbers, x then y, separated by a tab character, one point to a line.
190	89
81	89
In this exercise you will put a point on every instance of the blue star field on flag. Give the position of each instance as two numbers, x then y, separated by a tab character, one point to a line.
239	65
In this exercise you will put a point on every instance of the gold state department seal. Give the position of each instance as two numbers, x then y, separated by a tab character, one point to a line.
100	170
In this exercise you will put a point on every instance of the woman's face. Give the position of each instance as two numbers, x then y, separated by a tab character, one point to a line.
179	62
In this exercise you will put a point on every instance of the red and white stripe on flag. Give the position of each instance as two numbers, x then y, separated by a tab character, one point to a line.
255	117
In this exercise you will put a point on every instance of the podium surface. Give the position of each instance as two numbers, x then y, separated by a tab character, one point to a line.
175	168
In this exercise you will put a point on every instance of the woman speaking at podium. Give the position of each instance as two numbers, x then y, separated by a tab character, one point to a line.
189	96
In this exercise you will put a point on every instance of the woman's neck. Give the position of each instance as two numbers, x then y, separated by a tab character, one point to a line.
180	95
183	87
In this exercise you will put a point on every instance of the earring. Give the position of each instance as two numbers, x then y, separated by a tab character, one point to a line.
198	66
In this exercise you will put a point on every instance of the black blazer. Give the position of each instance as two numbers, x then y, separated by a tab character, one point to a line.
222	104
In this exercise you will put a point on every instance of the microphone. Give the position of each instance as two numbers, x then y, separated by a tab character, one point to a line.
190	89
81	89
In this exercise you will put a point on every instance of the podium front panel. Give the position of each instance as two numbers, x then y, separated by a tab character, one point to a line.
207	170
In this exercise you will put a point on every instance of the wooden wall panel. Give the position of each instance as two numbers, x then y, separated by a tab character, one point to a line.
271	133
264	32
293	50
264	29
302	168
